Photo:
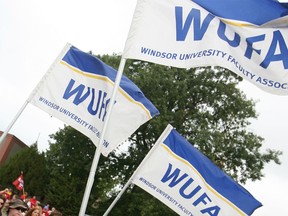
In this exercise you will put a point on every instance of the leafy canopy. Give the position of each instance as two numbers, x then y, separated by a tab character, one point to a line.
203	104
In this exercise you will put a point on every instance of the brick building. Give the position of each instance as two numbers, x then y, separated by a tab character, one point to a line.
10	147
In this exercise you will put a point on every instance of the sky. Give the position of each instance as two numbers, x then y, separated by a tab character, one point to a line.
32	34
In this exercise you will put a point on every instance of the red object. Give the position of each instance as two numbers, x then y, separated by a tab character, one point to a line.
19	183
23	197
45	212
7	195
33	202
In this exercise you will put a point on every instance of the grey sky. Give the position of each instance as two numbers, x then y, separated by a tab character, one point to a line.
32	33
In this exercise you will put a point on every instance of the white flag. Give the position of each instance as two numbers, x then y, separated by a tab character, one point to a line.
76	90
248	37
188	182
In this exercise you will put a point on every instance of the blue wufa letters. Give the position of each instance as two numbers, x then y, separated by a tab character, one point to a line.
94	66
214	176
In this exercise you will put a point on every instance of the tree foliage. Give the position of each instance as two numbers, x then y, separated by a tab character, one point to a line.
206	107
69	161
33	165
203	104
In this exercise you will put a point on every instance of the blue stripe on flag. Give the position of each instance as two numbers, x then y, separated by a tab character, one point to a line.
90	64
256	12
212	174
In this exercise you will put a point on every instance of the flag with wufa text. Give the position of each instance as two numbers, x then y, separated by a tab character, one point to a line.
185	180
77	90
248	37
19	183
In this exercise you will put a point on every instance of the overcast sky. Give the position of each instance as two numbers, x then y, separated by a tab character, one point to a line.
33	32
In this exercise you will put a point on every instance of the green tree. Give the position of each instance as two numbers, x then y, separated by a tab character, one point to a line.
204	105
69	161
33	165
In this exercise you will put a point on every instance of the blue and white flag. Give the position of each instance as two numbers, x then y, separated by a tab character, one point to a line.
246	12
248	37
188	182
77	89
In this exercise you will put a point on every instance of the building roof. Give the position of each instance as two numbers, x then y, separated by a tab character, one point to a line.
10	147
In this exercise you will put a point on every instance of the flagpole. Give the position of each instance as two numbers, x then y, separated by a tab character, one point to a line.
97	154
2	138
23	182
160	139
119	194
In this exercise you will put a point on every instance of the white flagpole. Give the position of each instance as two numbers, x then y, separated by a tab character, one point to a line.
2	138
97	155
160	139
119	195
